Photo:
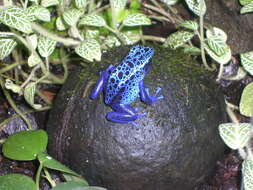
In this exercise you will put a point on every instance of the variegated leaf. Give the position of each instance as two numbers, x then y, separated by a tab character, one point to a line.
217	33
33	60
247	8
178	39
136	19
217	45
46	46
224	58
112	41
33	40
189	24
130	37
49	3
89	49
38	12
15	17
169	2
198	7
246	102
118	4
247	61
80	4
235	135
247	172
7	3
11	86
29	94
6	47
192	50
91	33
92	20
245	2
60	25
71	16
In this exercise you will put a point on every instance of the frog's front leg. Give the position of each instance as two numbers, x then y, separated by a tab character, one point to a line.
144	94
123	114
101	82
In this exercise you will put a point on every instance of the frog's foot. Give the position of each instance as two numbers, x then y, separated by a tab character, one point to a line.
148	99
119	117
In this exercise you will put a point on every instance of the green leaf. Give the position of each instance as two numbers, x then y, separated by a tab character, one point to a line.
48	162
169	2
246	102
247	61
16	181
71	185
247	8
192	50
46	46
215	32
6	47
245	2
33	60
80	4
91	33
235	135
224	58
136	19
198	7
71	16
112	41
11	86
189	24
60	25
25	145
16	17
29	94
130	37
217	45
178	39
135	4
7	3
33	40
247	171
49	3
118	4
38	12
79	179
92	20
89	49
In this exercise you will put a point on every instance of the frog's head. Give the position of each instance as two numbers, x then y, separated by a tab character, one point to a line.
141	55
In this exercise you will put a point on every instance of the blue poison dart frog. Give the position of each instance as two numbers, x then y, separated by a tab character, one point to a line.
123	83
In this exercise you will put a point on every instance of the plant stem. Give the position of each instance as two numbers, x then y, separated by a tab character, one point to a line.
153	38
10	67
48	177
52	36
13	105
37	181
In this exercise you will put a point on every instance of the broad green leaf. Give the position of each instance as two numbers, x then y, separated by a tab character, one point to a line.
224	58
71	16
16	182
46	46
92	20
25	145
89	49
247	8
169	2
247	61
16	17
72	185
246	102
217	33
198	7
136	19
245	2
247	171
11	86
217	45
79	179
33	60
112	41
135	5
189	24
60	25
235	135
38	12
29	94
178	39
192	50
80	4
48	162
49	3
6	47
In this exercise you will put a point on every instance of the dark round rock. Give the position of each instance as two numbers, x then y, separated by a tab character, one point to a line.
174	147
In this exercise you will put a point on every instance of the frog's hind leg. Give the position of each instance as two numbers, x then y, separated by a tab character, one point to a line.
101	82
123	114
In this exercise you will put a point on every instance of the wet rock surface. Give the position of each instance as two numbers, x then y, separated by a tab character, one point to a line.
173	147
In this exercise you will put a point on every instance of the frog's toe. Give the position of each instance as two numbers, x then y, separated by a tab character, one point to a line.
147	90
160	97
158	90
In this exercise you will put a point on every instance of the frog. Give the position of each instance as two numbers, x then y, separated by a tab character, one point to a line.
123	83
